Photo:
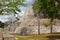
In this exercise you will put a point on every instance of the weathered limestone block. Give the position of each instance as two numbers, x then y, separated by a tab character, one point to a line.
28	23
1	36
8	37
1	33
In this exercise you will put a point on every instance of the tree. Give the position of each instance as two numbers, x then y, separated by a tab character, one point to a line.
49	7
37	11
10	6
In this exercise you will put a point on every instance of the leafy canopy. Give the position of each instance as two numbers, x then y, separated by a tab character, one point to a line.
51	7
1	25
10	6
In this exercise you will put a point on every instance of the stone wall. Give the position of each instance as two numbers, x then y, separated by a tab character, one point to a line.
8	37
1	33
28	24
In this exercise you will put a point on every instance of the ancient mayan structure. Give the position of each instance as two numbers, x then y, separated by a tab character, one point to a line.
28	24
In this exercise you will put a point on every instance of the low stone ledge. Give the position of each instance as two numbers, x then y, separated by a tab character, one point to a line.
8	37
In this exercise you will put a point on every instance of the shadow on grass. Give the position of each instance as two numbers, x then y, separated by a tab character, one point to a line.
54	37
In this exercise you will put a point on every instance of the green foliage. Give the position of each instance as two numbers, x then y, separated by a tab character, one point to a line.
10	6
1	25
47	23
50	7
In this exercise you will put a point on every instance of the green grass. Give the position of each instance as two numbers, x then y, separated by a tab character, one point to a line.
38	36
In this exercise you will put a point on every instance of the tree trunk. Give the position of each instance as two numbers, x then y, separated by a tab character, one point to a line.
38	24
51	25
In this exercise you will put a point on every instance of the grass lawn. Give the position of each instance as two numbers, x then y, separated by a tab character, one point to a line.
37	37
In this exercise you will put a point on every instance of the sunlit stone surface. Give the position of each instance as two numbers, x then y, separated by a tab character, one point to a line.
28	24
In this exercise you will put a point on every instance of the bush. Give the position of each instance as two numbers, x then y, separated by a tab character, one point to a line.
47	23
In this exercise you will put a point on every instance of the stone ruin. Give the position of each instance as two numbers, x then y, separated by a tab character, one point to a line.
28	24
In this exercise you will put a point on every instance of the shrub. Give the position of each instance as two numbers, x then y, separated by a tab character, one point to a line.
47	23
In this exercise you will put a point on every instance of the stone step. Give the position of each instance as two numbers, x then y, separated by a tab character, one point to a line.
8	37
